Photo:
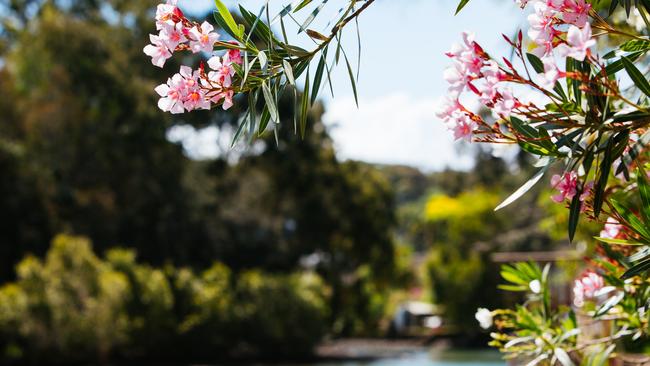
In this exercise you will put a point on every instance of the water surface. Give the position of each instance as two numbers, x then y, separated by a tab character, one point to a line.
429	358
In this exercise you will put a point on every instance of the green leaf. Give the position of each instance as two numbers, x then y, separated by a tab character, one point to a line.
264	120
304	110
513	288
563	357
288	71
302	5
638	147
352	82
311	16
524	188
513	278
535	62
523	128
636	269
461	6
644	192
318	78
574	215
227	17
632	220
270	102
617	241
603	177
617	65
637	77
635	45
609	304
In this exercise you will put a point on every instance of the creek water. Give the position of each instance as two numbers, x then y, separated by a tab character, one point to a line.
428	358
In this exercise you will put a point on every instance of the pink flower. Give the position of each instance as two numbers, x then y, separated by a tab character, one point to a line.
586	287
165	14
203	38
576	12
463	127
541	30
173	36
578	43
551	73
505	103
612	229
492	75
457	78
227	99
234	56
447	109
158	51
566	185
223	71
193	95
171	95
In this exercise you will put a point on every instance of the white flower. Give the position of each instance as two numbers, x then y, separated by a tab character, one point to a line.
484	317
535	286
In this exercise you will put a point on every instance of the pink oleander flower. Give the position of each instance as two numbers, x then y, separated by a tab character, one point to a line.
173	36
463	127
576	12
492	75
612	229
171	95
157	50
167	14
586	287
223	71
234	56
227	99
579	41
456	78
194	96
541	30
566	185
505	104
447	109
551	73
203	38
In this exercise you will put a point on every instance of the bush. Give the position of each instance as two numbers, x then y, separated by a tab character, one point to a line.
74	307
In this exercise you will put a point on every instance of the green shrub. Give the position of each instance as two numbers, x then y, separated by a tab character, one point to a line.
279	315
74	307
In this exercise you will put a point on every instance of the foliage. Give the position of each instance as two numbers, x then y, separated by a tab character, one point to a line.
75	307
85	151
596	127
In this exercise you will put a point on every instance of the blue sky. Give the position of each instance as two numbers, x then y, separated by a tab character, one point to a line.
403	45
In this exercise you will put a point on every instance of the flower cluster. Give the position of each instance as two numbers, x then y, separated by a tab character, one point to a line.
557	28
190	89
176	32
549	16
473	70
567	187
587	288
546	23
612	229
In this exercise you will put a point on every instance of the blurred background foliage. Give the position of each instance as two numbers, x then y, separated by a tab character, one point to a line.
263	251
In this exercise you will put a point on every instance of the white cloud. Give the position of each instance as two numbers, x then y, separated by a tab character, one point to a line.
394	129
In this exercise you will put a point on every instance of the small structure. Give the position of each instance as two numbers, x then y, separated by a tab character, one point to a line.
415	318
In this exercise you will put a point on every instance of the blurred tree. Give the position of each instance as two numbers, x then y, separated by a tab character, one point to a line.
85	151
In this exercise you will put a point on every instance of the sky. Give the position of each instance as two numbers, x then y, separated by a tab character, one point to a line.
400	84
